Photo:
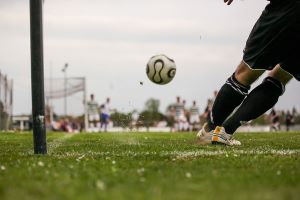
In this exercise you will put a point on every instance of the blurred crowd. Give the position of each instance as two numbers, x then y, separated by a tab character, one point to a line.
66	125
98	119
277	118
179	117
189	118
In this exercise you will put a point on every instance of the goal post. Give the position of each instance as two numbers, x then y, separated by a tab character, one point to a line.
37	77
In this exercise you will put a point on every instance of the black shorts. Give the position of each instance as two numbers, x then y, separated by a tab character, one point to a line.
275	38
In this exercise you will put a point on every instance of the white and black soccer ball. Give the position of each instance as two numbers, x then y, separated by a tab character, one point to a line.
161	69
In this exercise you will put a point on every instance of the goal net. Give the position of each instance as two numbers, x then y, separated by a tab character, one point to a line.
65	97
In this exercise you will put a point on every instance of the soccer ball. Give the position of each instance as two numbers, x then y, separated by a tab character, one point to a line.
161	69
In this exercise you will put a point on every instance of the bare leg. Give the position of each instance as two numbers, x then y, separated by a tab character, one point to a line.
281	75
245	75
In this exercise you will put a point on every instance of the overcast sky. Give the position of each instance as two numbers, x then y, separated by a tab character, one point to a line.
110	41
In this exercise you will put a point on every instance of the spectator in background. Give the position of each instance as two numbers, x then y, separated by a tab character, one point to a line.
275	121
208	108
294	111
93	114
289	120
214	96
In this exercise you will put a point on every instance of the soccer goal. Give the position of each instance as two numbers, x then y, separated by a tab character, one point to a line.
66	89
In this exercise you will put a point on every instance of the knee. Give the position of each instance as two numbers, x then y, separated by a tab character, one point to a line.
276	84
246	75
280	75
241	69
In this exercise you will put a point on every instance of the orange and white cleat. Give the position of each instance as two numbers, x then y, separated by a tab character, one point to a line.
220	136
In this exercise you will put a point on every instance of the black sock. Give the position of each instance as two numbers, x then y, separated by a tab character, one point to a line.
261	99
229	97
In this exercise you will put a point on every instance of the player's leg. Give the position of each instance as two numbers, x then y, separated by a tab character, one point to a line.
101	122
260	99
106	123
91	123
232	94
97	122
176	124
105	126
265	48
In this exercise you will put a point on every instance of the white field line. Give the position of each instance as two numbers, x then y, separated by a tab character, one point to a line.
182	154
56	143
235	153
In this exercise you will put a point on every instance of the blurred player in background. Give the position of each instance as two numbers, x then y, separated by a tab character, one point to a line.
289	120
194	117
208	108
185	122
93	114
104	115
275	121
273	45
180	118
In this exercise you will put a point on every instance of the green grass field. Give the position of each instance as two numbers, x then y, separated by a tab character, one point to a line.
150	166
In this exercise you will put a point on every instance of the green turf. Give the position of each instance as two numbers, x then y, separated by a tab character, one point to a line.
150	166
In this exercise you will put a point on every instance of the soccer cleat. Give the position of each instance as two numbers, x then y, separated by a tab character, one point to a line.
219	136
204	135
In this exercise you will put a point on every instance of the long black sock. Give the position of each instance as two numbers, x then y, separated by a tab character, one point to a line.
229	97
261	99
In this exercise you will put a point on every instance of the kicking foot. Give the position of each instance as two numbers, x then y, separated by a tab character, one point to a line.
204	136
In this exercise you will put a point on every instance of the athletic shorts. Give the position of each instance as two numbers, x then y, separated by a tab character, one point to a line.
275	38
93	117
104	118
180	118
194	119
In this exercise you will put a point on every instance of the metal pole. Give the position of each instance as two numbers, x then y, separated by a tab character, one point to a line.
37	77
65	88
0	101
86	123
50	98
65	100
11	104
